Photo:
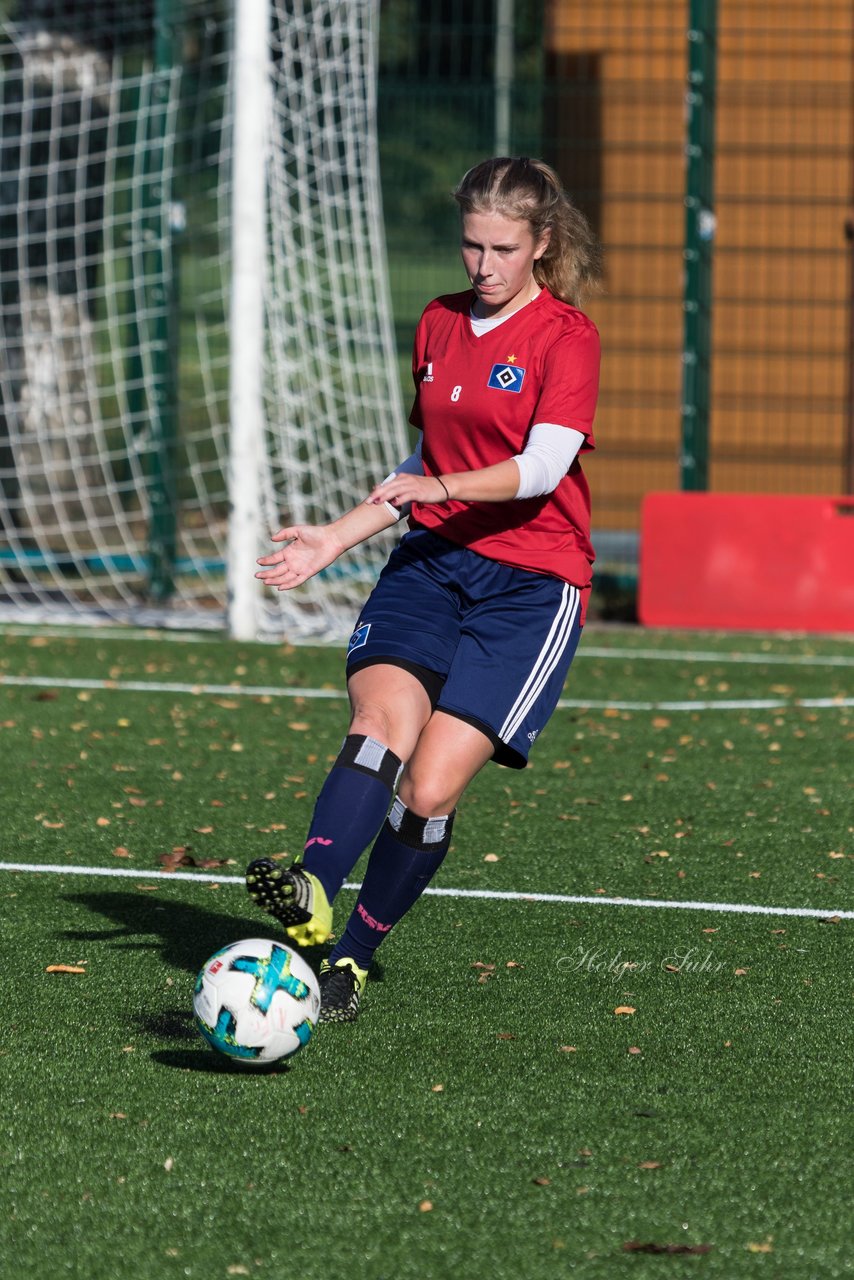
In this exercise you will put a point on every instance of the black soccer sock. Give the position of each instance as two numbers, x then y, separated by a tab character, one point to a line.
407	854
352	803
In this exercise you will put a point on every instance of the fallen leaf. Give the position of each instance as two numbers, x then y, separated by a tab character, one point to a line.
121	852
490	857
425	1206
765	1247
542	1182
64	968
168	1164
650	1164
624	1008
634	1049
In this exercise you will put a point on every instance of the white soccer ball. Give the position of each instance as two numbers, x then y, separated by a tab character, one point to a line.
256	1001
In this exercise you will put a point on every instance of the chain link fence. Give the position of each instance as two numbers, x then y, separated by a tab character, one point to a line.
598	90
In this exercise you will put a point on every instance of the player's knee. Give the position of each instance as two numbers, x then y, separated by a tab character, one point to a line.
372	720
427	795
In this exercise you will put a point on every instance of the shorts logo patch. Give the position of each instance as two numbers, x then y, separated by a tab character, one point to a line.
359	637
506	377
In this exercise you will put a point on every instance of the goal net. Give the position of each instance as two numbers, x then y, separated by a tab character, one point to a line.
173	386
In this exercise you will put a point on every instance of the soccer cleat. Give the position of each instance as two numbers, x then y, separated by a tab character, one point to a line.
295	897
341	985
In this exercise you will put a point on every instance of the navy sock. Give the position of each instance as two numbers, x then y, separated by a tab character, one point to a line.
350	809
407	854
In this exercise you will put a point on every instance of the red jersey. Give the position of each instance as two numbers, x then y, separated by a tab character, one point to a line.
476	400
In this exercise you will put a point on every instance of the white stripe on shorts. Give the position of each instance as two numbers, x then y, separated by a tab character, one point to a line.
547	660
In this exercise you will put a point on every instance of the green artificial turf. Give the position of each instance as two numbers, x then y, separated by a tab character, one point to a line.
490	1115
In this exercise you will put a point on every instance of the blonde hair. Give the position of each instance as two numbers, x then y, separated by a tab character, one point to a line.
530	191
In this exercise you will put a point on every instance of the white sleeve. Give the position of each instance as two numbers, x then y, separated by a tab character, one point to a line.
546	458
412	466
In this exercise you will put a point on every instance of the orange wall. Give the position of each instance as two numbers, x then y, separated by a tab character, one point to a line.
782	268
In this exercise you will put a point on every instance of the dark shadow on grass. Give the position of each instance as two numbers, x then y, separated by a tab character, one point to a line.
211	1063
184	934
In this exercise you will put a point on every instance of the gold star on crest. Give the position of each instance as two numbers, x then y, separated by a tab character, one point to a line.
510	360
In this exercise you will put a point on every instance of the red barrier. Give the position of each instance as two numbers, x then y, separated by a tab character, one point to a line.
747	562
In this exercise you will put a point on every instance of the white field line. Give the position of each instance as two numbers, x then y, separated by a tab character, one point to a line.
734	908
709	655
278	691
108	632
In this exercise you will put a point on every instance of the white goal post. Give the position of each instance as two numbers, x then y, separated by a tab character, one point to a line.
196	341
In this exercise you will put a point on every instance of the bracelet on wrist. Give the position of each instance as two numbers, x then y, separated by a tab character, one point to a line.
445	487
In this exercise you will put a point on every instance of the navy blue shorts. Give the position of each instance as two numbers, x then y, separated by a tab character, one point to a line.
491	644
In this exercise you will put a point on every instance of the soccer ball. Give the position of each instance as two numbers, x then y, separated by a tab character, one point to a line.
256	1001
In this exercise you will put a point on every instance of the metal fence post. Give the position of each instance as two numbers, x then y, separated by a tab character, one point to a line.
160	229
699	240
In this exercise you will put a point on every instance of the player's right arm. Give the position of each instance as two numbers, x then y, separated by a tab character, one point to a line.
311	547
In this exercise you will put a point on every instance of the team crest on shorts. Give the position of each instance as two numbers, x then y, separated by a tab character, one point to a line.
506	377
359	637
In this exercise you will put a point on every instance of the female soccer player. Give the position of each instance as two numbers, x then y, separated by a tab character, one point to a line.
461	652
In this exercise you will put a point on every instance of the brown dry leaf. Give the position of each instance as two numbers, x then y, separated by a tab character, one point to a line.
634	1049
491	857
505	1035
121	852
542	1182
567	1048
180	857
102	822
766	1246
425	1206
741	972
64	968
625	1008
299	726
650	1164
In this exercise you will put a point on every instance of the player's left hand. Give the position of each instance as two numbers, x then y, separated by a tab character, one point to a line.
403	488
